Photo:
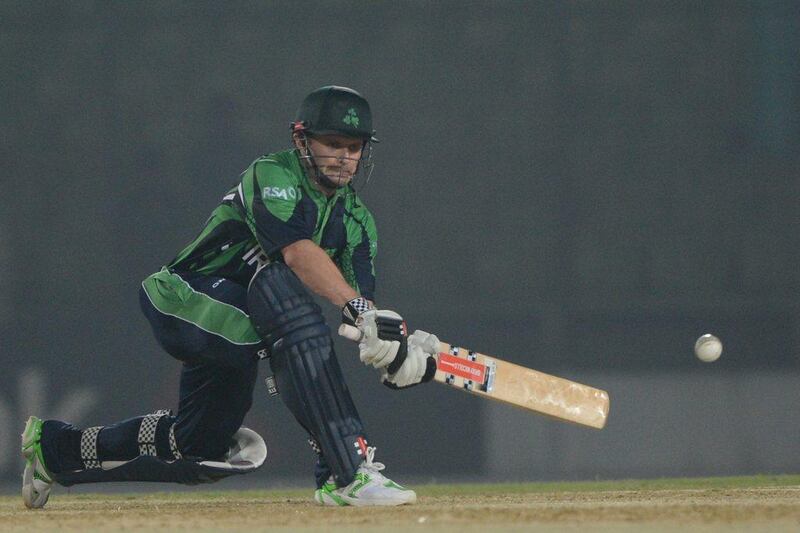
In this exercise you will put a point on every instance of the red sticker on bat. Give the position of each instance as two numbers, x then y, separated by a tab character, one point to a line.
463	368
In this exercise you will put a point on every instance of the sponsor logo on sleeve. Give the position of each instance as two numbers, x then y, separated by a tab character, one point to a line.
283	193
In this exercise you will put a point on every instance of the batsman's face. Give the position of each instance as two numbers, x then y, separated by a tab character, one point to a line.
336	156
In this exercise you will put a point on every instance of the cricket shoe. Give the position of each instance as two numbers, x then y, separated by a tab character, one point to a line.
369	487
36	479
329	494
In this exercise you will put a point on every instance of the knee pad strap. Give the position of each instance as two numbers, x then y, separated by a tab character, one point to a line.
89	447
147	432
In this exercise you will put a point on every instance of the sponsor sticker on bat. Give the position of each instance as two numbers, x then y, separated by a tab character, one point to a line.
470	370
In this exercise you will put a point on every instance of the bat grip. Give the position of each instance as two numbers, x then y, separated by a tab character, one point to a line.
350	332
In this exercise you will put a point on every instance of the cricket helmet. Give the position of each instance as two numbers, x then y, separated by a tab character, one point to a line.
334	110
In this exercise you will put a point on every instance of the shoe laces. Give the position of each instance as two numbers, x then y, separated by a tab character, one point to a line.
371	465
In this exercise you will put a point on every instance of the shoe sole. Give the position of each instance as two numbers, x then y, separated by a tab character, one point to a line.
356	502
33	498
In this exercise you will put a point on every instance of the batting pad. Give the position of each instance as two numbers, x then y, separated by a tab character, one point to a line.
306	370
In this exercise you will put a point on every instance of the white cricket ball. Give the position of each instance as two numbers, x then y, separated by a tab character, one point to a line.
708	348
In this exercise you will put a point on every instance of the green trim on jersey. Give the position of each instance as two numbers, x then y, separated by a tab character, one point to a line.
203	257
173	296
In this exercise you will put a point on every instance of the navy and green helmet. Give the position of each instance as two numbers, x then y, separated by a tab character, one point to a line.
334	110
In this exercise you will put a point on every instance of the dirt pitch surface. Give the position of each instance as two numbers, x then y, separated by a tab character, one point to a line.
762	504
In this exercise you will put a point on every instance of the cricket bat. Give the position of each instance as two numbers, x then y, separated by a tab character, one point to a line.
499	380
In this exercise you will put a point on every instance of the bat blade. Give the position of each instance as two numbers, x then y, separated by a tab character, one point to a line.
523	387
499	380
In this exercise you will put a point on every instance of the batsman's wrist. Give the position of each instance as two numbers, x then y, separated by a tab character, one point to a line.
353	309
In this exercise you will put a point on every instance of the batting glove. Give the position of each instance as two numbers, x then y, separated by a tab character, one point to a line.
419	365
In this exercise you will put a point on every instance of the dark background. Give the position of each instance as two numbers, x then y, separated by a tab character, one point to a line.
579	187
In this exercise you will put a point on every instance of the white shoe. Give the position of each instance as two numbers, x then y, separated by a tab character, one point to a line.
36	479
369	487
329	494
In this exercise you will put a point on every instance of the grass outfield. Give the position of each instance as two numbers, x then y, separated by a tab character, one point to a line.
759	503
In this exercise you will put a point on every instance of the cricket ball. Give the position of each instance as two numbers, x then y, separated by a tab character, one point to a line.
708	348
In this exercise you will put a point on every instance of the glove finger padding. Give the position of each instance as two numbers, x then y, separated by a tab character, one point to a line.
372	349
384	340
418	367
389	327
377	352
427	341
430	371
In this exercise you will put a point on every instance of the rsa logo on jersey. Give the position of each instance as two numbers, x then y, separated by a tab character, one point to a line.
280	192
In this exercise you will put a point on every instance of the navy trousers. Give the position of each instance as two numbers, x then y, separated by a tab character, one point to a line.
217	378
216	391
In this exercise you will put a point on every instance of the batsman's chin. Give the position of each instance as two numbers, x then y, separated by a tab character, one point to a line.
339	180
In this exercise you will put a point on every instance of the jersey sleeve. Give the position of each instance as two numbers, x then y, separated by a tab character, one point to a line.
357	263
274	206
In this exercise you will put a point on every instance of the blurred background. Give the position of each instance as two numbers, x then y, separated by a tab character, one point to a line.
579	187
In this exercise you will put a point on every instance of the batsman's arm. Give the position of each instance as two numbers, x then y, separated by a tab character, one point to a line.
318	272
387	343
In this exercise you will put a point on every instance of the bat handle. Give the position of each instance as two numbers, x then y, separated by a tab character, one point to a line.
350	332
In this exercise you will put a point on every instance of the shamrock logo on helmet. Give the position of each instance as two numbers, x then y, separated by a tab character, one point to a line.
351	118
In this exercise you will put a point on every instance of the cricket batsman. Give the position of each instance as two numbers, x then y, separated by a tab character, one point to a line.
241	292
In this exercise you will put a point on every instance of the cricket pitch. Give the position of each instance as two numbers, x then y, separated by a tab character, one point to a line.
705	505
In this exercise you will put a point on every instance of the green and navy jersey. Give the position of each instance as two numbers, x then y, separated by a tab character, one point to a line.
273	205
